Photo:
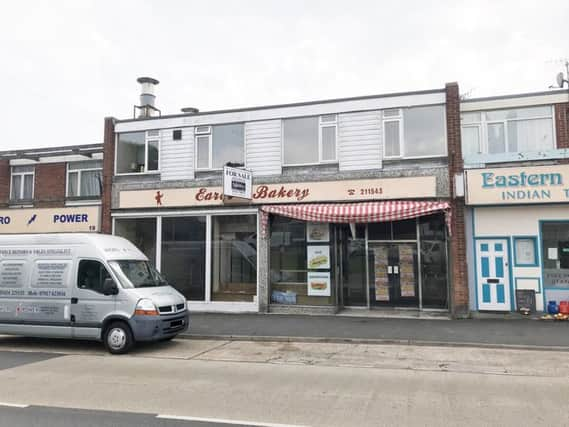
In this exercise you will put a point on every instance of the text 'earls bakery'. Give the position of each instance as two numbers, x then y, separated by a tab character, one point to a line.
262	192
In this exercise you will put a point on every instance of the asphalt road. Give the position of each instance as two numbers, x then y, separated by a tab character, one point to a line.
216	382
61	417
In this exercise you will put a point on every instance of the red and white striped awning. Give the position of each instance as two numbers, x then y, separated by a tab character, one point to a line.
355	212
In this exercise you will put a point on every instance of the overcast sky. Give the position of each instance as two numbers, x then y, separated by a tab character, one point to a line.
68	64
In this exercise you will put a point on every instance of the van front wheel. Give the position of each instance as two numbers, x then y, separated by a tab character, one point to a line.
118	338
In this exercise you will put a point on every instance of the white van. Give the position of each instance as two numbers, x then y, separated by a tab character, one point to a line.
86	286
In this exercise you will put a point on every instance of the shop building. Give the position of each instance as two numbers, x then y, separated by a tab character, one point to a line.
517	200
48	190
350	204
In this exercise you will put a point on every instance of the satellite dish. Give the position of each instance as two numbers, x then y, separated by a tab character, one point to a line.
560	79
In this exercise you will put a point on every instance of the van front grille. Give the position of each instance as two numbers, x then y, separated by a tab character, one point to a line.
165	309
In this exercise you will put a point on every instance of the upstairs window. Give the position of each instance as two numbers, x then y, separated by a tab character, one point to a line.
414	132
310	140
218	145
22	183
85	179
138	152
507	131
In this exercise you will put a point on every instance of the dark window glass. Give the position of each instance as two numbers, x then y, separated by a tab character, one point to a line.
183	255
142	234
379	231
234	258
432	227
91	275
405	230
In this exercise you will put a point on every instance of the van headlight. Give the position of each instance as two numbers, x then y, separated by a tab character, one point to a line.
146	307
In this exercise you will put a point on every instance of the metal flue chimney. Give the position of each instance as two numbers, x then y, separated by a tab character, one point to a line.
146	108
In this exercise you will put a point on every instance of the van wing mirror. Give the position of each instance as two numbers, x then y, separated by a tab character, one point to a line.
110	287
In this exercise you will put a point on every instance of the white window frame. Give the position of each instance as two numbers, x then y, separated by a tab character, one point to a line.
483	127
321	125
209	134
79	173
198	134
327	124
22	180
393	119
149	136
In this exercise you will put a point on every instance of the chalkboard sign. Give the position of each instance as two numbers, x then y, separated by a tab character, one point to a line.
525	299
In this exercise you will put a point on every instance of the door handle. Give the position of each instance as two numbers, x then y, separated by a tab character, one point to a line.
74	300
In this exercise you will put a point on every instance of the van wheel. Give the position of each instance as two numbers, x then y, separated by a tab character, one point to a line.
118	338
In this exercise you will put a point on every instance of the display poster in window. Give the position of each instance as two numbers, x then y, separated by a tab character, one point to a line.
407	278
319	284
317	232
381	278
525	251
318	257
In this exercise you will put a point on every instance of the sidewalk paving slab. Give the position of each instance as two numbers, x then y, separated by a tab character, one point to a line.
525	333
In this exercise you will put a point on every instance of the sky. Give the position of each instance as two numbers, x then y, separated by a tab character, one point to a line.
65	65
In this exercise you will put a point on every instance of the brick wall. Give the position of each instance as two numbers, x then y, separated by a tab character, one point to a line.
49	185
457	258
108	171
4	182
562	124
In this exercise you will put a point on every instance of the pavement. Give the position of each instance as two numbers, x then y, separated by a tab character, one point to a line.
498	333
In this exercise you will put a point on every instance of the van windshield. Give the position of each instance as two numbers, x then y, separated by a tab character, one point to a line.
137	274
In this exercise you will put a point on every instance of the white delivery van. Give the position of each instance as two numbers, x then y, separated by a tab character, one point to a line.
85	286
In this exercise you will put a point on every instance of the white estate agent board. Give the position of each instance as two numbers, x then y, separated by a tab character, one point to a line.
295	192
513	186
52	220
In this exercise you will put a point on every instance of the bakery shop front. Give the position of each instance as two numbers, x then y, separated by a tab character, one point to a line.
301	247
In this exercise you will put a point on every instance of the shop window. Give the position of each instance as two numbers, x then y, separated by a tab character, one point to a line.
218	145
434	274
234	258
138	152
555	250
85	179
310	140
414	132
141	232
22	183
300	271
184	253
395	230
507	131
525	251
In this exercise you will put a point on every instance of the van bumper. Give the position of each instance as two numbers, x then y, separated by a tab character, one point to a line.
154	328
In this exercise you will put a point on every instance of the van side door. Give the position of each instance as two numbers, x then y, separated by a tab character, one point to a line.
90	305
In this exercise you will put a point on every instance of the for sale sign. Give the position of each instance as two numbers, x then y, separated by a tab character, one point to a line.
237	182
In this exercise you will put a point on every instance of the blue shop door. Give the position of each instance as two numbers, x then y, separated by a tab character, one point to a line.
493	276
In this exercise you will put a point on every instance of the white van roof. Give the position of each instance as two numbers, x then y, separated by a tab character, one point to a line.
110	247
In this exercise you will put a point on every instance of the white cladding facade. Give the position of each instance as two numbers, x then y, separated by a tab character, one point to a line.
359	136
177	157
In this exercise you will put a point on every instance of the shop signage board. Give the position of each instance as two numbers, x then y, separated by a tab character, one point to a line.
295	192
514	186
53	220
237	182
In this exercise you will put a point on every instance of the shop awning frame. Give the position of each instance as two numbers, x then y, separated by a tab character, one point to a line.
355	213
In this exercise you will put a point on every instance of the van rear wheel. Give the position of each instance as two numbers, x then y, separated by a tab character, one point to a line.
118	338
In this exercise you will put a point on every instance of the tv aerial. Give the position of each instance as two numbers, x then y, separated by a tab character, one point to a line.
561	78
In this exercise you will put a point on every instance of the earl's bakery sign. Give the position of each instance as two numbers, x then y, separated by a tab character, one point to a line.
297	192
513	186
